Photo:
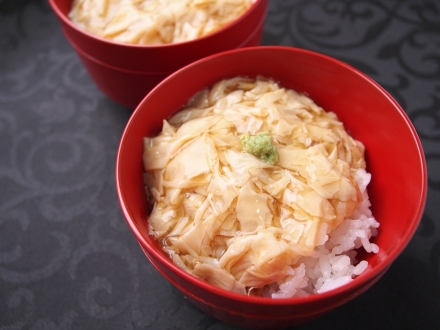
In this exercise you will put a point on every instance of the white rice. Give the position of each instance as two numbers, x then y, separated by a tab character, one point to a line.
334	262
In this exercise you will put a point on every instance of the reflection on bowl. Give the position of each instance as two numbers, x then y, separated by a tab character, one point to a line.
394	157
141	67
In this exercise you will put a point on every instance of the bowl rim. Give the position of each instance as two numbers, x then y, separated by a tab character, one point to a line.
110	66
358	282
71	24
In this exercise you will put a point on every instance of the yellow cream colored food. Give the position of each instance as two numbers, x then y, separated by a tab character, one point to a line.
229	217
155	21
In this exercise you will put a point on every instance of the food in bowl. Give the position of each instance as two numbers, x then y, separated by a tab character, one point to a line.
258	190
368	112
154	22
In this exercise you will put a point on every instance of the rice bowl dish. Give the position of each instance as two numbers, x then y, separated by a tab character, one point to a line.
397	193
258	190
155	22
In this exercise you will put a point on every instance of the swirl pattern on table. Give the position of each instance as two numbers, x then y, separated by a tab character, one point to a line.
67	258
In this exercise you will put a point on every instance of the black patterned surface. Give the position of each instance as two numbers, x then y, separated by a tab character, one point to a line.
67	258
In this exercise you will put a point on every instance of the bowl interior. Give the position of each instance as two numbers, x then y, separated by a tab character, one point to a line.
393	151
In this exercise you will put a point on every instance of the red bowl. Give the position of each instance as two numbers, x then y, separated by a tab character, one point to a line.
394	157
146	65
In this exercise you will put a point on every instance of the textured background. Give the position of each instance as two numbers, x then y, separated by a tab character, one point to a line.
67	259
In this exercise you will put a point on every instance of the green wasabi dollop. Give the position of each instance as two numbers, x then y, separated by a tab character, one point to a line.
261	146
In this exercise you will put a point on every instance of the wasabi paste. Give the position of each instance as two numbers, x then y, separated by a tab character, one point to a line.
261	146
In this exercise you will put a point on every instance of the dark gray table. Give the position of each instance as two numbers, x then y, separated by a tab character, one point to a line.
67	258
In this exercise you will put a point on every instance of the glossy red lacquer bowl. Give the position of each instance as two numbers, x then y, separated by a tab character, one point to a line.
394	156
127	72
